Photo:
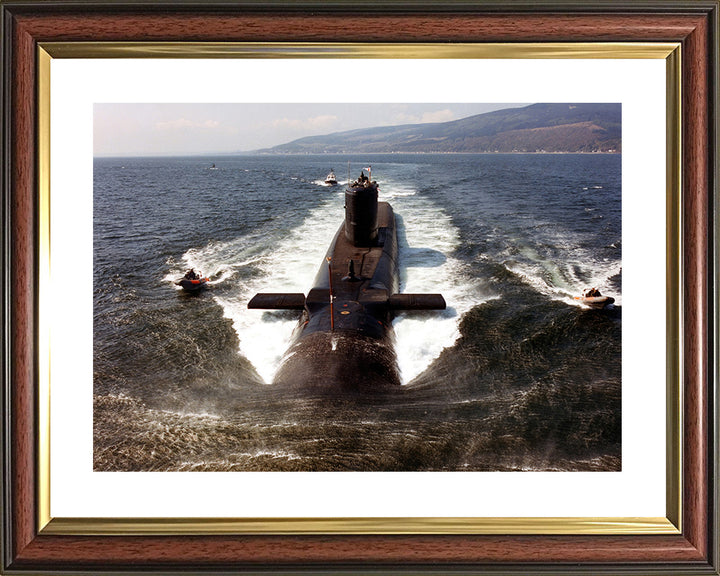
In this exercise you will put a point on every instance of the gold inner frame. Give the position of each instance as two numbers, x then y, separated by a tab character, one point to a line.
671	524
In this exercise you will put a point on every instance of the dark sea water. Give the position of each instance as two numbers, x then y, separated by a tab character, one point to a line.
514	375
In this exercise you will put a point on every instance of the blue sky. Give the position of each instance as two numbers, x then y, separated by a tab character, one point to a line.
172	129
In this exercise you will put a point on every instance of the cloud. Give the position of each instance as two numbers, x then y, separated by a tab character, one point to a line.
438	116
322	122
445	115
184	124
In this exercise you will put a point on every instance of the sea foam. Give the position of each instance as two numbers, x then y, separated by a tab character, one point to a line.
288	262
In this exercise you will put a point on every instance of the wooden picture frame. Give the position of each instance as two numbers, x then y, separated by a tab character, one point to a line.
31	545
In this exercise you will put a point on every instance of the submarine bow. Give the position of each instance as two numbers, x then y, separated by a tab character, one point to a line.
344	338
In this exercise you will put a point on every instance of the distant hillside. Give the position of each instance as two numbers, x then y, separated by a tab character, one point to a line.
535	128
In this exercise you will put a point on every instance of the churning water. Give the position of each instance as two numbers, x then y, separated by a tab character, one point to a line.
514	375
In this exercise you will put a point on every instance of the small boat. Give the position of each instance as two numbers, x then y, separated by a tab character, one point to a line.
331	179
192	281
598	302
593	299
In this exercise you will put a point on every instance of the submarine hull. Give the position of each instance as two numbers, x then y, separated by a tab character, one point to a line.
336	361
349	343
344	339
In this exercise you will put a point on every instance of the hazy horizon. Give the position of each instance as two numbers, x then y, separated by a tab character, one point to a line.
123	130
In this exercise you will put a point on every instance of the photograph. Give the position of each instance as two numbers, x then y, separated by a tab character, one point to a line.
366	287
337	287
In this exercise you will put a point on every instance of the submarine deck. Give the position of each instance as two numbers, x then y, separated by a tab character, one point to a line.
360	303
373	283
372	290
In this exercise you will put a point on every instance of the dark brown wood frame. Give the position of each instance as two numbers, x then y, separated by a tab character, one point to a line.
694	24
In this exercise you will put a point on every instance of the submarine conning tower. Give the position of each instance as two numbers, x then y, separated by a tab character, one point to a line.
361	212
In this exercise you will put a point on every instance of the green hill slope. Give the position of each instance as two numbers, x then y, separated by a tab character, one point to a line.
535	128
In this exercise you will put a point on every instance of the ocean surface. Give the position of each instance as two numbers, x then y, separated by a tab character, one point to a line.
514	375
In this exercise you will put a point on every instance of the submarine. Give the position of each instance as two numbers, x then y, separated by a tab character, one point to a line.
344	338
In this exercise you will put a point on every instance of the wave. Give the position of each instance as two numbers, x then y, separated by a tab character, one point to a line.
562	277
219	261
287	261
427	239
340	184
391	191
274	261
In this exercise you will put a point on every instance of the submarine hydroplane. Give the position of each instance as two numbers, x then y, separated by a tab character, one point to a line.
344	338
